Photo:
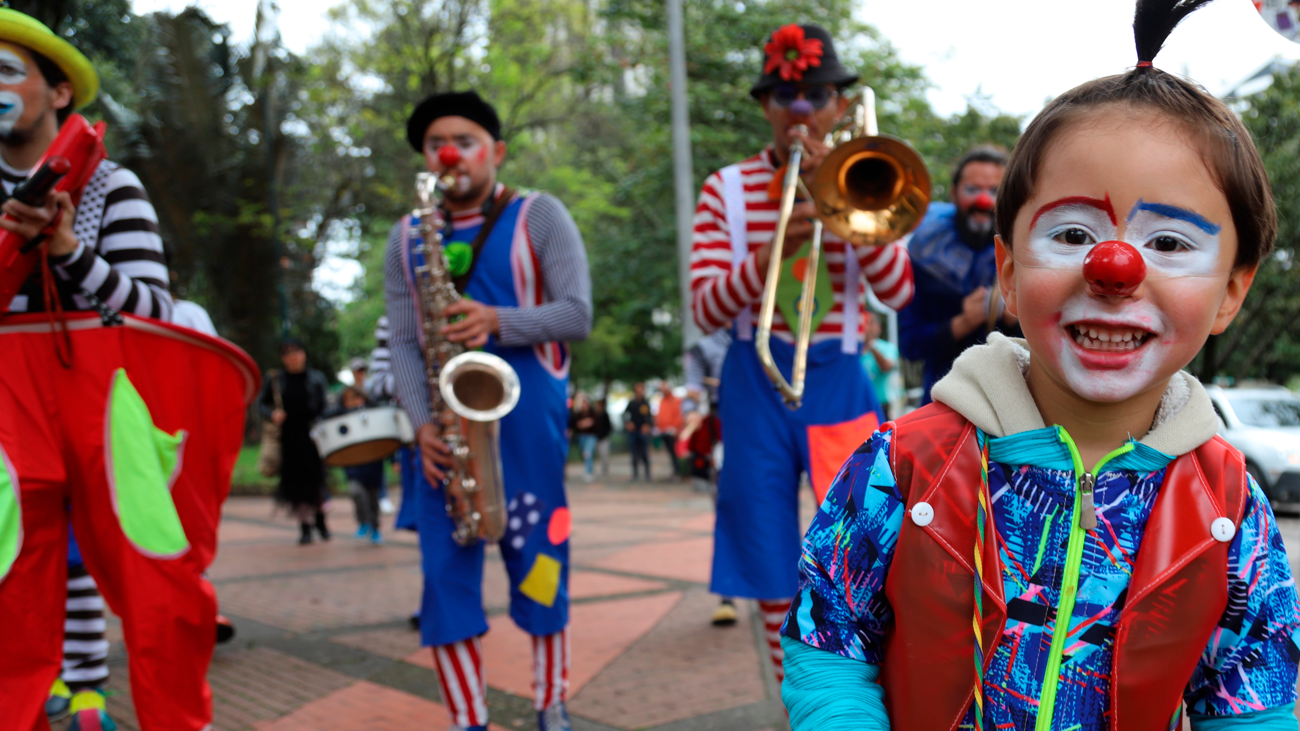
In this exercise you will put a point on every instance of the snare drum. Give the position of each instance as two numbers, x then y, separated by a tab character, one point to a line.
362	436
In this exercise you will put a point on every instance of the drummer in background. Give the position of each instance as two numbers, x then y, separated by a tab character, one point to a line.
365	481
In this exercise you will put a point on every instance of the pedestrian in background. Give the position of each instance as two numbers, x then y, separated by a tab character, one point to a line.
668	424
638	423
603	429
582	424
880	361
302	474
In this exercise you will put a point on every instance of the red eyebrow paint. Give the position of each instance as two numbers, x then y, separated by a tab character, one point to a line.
1101	204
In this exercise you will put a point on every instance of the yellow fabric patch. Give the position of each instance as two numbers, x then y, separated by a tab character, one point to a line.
543	580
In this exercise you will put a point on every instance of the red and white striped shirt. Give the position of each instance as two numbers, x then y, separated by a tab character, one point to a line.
719	290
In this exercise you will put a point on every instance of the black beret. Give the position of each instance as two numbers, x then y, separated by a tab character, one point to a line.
467	104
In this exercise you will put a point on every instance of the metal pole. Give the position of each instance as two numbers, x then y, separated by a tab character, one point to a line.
683	176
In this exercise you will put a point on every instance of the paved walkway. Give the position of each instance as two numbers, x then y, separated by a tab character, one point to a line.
323	642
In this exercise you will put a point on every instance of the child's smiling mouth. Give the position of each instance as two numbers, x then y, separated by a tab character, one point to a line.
1106	338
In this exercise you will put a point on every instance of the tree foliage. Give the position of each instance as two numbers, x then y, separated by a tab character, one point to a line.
582	89
1264	340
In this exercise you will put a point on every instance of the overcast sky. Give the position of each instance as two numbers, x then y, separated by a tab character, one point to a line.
1018	52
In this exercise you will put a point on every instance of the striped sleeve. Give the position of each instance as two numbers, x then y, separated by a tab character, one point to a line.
888	270
123	266
718	291
409	379
379	384
565	316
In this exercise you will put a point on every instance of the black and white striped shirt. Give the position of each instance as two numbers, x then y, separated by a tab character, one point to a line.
564	316
119	254
379	382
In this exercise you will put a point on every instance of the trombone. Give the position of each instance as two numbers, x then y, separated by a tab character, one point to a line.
870	191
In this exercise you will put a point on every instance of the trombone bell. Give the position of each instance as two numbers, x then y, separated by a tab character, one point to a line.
872	191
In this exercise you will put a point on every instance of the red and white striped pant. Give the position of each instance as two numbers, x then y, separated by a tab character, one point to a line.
774	612
463	678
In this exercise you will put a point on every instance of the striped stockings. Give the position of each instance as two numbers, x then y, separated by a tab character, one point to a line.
774	612
85	649
464	682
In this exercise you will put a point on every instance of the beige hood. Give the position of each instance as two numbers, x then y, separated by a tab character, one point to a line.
987	386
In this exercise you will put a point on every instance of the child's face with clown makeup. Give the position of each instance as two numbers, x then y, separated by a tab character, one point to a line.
1120	176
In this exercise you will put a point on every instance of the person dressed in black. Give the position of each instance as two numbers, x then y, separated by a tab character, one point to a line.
302	393
639	423
603	429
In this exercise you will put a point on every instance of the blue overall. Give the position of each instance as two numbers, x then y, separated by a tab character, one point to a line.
756	540
407	466
535	551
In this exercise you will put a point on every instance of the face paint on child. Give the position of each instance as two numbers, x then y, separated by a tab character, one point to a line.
1173	241
13	72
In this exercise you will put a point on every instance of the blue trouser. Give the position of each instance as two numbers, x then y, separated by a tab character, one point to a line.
407	466
639	446
535	548
756	536
587	443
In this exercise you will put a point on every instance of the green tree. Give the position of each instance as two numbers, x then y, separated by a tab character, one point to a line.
1264	341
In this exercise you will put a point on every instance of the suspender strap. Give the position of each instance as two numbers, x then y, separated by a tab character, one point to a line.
733	199
852	273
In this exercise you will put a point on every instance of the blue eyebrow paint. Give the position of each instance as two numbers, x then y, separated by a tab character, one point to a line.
1177	214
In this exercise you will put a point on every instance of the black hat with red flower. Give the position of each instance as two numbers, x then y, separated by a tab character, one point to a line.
800	54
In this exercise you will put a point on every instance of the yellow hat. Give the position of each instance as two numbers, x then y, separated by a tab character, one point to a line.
32	34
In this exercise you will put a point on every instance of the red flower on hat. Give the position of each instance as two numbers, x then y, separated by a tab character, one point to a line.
792	53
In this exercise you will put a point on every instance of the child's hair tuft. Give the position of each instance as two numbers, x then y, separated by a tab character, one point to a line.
1225	144
1154	20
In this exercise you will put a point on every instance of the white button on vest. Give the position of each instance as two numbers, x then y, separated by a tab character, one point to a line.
1223	530
922	514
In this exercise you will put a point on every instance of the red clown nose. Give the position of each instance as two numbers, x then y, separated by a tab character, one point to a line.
449	156
983	202
1114	269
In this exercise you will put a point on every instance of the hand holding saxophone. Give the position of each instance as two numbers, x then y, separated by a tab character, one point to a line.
478	321
435	455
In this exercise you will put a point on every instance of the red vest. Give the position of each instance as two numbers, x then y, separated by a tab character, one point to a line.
1177	594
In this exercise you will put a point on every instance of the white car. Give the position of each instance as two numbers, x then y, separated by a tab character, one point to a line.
1264	423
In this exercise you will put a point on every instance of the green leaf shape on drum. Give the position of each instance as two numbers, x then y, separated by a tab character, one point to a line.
143	460
11	517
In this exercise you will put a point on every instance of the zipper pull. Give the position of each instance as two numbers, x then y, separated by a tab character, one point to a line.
1088	509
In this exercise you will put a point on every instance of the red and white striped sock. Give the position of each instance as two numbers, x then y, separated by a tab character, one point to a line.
774	612
463	681
550	669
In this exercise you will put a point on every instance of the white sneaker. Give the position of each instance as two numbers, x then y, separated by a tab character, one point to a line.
386	506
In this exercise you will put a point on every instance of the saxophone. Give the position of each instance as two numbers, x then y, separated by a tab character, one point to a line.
469	391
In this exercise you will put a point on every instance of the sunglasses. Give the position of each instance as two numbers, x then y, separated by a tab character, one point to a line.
818	96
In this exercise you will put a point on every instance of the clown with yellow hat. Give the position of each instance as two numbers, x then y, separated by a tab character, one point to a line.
93	422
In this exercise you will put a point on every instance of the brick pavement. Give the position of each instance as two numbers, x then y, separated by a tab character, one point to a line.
324	645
